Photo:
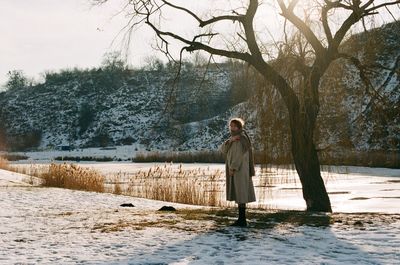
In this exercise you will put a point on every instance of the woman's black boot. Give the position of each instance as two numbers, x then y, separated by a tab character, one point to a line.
242	216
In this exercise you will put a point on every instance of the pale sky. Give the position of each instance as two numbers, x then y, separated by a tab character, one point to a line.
42	35
49	35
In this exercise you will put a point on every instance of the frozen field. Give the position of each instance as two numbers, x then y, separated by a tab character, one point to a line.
58	226
351	189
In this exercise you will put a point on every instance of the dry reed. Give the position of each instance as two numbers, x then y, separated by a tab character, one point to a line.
169	182
4	164
70	176
166	183
67	176
180	156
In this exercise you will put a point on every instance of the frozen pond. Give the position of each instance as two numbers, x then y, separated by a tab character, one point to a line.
351	189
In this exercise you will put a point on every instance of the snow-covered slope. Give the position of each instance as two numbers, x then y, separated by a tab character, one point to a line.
364	112
144	109
94	108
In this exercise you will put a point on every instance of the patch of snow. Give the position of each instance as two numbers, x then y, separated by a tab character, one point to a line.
58	226
11	179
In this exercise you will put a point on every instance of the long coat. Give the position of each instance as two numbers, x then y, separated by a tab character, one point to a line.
239	187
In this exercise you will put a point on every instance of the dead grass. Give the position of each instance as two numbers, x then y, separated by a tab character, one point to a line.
138	225
200	186
216	219
4	164
202	156
388	159
180	157
117	185
272	218
70	176
31	171
166	183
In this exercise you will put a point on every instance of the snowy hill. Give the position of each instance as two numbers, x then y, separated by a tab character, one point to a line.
81	111
100	107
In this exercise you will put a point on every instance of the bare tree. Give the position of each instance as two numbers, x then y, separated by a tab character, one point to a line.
321	29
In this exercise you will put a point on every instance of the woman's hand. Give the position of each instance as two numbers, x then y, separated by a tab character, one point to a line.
231	172
234	138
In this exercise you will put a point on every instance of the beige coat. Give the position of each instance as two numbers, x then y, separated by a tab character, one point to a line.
239	187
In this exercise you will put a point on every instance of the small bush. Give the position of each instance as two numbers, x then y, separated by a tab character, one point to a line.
70	176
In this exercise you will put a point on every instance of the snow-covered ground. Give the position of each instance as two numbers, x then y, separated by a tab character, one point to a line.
58	226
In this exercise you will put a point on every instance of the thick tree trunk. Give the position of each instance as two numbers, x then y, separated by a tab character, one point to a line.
303	119
307	165
303	111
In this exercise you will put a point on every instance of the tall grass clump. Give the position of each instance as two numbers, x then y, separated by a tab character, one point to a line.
167	183
198	186
71	176
117	185
4	164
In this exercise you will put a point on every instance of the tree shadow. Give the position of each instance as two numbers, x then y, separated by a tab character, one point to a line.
272	238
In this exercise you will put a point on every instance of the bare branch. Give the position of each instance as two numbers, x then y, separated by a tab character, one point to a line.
391	14
374	8
288	13
183	9
203	23
341	33
363	75
195	45
249	30
358	13
243	38
324	19
220	18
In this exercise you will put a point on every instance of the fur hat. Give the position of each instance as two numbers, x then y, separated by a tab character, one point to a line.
238	121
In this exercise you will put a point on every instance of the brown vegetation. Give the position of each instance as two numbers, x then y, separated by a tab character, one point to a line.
4	164
168	182
180	157
70	176
191	186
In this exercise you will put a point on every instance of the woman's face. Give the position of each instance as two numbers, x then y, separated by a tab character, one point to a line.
233	127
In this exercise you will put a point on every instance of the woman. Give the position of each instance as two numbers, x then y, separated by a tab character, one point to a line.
239	167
